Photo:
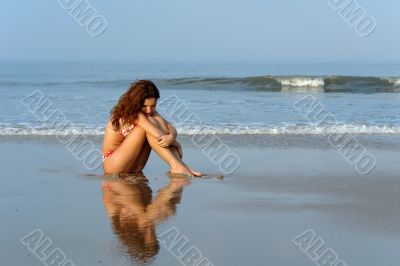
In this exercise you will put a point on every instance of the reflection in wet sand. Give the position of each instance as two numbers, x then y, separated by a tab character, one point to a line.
134	212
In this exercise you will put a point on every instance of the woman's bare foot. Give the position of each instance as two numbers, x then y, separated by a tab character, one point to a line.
196	173
181	170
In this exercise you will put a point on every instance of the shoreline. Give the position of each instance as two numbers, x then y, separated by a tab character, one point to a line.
384	141
249	217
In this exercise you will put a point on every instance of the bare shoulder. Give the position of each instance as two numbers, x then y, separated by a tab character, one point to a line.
109	125
110	129
110	134
111	138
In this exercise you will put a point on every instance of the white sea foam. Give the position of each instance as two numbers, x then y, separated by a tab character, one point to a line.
296	130
395	81
30	131
302	81
220	130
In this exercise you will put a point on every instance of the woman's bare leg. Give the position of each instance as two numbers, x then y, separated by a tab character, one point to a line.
144	155
123	158
160	123
176	165
178	155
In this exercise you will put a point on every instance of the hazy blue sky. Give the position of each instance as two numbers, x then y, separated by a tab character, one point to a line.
303	31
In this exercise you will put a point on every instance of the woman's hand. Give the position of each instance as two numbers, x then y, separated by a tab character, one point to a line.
166	140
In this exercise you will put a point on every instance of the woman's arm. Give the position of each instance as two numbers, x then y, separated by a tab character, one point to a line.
172	130
168	139
147	126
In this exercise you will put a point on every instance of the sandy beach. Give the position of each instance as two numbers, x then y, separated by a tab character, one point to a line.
248	218
289	108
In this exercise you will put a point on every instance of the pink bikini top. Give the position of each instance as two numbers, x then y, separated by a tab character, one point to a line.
127	130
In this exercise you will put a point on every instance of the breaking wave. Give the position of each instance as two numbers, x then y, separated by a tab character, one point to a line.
219	130
352	84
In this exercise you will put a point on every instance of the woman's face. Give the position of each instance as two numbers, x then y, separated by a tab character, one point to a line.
149	106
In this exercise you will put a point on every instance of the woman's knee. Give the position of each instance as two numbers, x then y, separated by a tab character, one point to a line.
153	121
137	132
159	123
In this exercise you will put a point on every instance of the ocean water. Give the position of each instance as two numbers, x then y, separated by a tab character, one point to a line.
239	99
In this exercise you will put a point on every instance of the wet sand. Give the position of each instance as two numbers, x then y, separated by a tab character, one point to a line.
248	218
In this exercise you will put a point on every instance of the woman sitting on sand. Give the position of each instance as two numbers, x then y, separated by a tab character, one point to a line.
135	128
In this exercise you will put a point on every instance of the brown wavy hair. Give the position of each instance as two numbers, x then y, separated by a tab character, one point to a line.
130	103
